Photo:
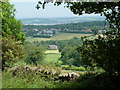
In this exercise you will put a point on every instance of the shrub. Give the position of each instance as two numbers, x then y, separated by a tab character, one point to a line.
58	63
77	68
12	51
31	81
65	67
82	69
98	70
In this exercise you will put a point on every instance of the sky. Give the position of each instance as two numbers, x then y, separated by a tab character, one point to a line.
24	0
26	9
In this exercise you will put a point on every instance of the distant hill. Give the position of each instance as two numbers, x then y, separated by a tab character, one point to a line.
65	20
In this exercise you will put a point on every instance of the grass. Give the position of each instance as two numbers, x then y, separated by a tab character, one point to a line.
20	63
52	52
62	36
52	58
59	36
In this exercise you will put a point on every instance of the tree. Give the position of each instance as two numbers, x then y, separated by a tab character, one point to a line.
35	54
102	52
10	26
96	29
70	56
12	37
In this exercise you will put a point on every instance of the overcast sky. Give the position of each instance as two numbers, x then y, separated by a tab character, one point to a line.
26	9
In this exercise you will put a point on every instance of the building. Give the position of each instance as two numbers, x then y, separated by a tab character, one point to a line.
48	32
35	30
52	47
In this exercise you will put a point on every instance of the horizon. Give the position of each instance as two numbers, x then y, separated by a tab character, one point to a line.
62	17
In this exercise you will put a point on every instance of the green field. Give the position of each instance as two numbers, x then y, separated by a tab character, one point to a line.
52	56
52	52
59	36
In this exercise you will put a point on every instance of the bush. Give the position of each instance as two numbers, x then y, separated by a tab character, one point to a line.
31	81
78	68
65	67
58	63
98	70
70	56
12	51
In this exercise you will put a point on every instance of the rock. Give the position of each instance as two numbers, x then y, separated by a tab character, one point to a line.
68	76
34	68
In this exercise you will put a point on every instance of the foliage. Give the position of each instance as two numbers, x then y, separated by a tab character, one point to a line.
66	67
35	54
111	10
70	56
10	26
31	81
58	63
102	52
88	80
13	38
49	72
96	29
77	68
12	51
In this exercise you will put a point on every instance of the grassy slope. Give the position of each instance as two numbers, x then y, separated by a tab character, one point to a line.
9	81
52	56
52	52
59	36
